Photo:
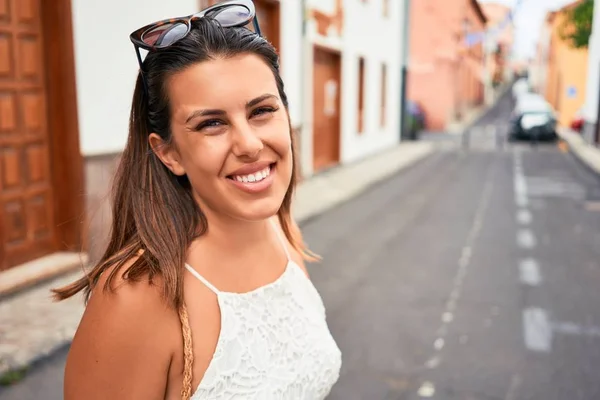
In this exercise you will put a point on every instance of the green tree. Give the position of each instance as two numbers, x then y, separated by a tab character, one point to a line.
577	26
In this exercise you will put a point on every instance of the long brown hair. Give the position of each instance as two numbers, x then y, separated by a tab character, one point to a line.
154	215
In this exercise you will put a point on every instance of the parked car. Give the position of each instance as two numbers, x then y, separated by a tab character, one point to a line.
415	119
520	87
532	118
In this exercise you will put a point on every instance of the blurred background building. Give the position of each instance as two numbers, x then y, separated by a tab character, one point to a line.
441	58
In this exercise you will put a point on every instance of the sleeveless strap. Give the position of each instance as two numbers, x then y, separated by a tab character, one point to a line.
281	239
202	279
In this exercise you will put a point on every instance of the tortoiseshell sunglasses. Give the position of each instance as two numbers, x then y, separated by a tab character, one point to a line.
161	34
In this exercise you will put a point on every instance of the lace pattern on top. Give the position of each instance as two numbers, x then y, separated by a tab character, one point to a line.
274	343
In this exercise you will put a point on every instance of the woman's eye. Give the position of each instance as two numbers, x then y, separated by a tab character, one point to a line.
262	111
211	123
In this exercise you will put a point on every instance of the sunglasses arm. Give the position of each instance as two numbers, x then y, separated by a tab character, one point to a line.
139	58
256	27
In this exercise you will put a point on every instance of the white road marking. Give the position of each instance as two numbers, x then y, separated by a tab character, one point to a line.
530	272
570	328
520	184
526	239
433	362
524	217
537	330
447	317
427	389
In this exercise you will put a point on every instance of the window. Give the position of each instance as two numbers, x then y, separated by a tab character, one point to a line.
361	94
383	94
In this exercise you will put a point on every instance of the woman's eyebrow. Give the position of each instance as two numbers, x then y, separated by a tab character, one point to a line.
259	99
220	113
205	113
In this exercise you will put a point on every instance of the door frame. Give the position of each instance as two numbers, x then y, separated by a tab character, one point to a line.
338	153
66	161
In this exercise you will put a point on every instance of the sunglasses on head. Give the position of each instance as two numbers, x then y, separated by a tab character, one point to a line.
161	34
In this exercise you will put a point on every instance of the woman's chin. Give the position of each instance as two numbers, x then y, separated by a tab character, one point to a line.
258	210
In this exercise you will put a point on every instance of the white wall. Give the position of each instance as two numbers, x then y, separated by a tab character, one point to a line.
593	82
106	64
291	56
367	33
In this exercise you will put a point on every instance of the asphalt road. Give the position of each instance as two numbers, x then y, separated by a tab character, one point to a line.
472	275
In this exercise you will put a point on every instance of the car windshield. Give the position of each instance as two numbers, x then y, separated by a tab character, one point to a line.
533	104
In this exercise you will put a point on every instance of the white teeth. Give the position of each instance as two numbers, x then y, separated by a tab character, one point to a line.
256	177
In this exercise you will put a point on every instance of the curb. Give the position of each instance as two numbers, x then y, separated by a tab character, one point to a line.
585	153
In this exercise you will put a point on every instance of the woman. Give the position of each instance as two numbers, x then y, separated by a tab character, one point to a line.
202	290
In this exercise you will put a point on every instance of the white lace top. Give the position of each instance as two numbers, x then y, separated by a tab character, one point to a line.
274	342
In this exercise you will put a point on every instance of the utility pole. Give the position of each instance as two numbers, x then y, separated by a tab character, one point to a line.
405	40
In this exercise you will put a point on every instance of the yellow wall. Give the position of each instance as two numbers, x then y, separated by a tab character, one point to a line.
567	68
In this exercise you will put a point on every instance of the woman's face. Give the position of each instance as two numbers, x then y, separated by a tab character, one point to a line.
231	136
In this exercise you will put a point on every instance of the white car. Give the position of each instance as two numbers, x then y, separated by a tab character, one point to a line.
520	87
533	118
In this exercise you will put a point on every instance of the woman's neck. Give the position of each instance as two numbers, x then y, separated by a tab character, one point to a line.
230	234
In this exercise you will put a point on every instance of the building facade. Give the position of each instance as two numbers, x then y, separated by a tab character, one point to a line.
591	132
498	46
446	76
351	80
565	83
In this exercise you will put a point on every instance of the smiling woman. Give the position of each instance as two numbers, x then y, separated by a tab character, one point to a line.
202	291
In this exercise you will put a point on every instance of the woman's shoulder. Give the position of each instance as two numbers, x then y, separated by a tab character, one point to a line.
132	306
129	327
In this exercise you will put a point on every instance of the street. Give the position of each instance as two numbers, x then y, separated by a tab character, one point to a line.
473	274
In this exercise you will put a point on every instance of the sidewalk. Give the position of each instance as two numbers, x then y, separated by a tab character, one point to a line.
586	153
32	326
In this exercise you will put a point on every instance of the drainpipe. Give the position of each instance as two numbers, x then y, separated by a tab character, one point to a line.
405	32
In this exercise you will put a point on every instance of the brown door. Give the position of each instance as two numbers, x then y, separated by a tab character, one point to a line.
267	12
326	108
26	195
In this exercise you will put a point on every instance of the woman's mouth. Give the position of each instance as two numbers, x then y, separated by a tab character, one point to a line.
255	182
254	177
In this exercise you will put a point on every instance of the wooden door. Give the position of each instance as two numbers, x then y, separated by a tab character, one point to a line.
326	108
26	195
267	12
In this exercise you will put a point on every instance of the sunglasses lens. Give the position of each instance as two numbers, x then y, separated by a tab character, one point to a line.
165	35
234	16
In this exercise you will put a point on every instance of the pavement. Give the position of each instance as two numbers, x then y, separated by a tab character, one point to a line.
589	155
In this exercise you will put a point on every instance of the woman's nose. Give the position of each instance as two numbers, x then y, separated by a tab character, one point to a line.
246	142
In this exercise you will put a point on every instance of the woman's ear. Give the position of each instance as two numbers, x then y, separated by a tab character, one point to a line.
167	153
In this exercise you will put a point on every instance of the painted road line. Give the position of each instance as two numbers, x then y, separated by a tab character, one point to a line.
524	217
526	239
537	330
570	328
530	272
